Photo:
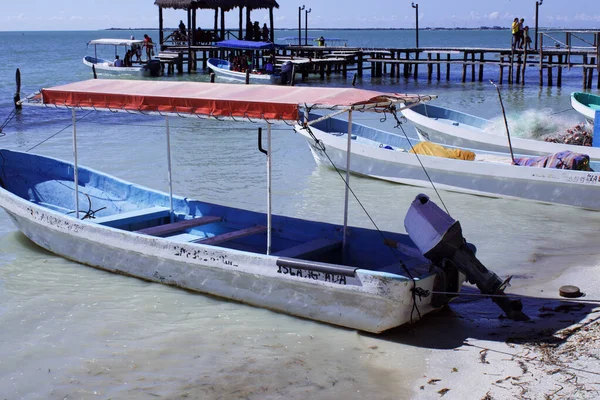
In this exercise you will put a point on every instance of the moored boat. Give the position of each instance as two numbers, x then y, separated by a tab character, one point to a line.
450	127
133	68
305	268
223	69
252	61
384	155
586	104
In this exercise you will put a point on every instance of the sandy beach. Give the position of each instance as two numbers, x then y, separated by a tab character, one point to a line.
477	354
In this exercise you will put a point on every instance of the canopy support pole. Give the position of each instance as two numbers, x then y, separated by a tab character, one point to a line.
347	195
269	188
76	168
169	167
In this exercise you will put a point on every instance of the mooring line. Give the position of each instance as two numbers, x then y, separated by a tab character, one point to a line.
60	131
11	115
530	358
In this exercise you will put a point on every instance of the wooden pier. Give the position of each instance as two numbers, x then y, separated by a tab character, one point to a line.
437	62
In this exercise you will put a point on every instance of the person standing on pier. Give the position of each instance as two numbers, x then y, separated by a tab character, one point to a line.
515	33
521	34
527	39
149	46
265	33
257	31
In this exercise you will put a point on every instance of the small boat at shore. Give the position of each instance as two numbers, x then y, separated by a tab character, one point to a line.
107	67
388	156
354	277
450	127
586	104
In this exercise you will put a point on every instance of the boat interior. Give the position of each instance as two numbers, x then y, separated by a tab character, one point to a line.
114	203
372	137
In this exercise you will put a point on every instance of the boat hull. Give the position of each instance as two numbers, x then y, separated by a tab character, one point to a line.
449	127
366	300
493	179
585	104
221	70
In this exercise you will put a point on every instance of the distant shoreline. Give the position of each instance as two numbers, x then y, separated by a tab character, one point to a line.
492	28
481	28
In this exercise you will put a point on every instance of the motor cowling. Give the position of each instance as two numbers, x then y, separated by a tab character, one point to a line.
153	67
439	237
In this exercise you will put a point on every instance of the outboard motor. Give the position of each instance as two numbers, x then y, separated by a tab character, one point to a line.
154	67
439	237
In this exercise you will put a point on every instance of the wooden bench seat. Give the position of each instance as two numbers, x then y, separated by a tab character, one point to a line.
134	216
179	226
224	237
309	249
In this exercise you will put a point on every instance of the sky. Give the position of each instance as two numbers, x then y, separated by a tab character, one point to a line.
31	15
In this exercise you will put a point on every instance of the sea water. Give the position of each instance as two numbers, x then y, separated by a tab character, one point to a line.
70	331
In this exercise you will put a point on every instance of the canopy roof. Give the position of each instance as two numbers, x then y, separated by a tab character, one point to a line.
115	42
216	100
226	5
245	45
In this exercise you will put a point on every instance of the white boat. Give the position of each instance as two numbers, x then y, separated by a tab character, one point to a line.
353	277
386	156
223	70
107	67
586	104
449	127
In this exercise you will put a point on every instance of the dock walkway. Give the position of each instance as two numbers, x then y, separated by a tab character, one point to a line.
511	64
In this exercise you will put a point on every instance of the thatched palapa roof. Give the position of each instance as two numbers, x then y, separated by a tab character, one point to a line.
226	5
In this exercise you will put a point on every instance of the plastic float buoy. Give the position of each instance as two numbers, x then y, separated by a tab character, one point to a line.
570	291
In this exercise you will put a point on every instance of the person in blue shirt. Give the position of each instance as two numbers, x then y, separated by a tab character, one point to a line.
118	62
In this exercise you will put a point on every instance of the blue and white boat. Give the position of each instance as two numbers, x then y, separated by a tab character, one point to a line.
223	70
384	155
259	70
348	276
450	127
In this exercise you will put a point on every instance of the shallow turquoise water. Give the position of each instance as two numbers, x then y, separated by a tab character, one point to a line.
69	330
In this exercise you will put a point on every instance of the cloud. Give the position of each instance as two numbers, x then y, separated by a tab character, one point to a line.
586	17
494	16
16	18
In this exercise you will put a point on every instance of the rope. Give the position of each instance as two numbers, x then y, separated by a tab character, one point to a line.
560	112
513	296
60	131
11	115
529	358
399	125
320	146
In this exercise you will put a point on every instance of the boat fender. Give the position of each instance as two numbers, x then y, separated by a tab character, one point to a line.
439	237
